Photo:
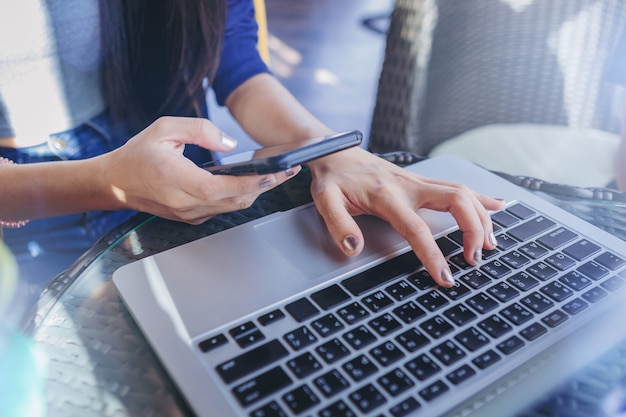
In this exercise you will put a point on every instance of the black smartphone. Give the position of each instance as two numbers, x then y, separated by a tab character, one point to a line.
281	157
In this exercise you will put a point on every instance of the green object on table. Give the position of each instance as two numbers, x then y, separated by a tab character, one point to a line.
21	364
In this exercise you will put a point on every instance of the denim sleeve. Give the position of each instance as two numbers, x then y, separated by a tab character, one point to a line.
616	71
240	59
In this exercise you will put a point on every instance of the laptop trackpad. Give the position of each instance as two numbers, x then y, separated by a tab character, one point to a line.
310	236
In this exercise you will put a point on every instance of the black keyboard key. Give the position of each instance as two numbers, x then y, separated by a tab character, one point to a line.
405	407
456	236
595	294
460	315
422	367
261	386
367	398
300	338
557	238
521	211
482	303
456	292
359	337
271	317
503	292
395	382
436	327
533	331
386	353
613	284
446	246
459	260
385	324
575	306
246	334
412	339
496	269
269	410
409	312
448	352
581	250
332	351
377	301
516	314
381	274
533	250
337	409
432	301
330	297
301	309
304	365
213	342
486	359
352	313
575	280
472	339
505	242
495	326
476	279
251	361
537	302
610	261
331	383
504	219
555	318
542	271
560	261
300	399
359	368
327	325
433	390
514	259
557	291
523	281
422	280
531	228
593	270
461	374
510	345
400	290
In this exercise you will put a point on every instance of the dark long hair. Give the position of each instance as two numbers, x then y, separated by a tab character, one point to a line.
157	55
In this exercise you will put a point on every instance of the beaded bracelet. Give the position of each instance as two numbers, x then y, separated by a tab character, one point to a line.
11	224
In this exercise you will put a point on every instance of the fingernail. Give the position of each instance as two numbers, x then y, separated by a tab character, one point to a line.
478	256
350	243
446	275
492	239
290	172
266	182
228	141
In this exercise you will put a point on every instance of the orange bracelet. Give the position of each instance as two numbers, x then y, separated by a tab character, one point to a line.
11	224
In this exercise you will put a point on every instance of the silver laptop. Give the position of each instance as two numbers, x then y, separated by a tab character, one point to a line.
270	319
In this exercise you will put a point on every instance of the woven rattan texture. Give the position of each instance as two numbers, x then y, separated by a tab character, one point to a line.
451	66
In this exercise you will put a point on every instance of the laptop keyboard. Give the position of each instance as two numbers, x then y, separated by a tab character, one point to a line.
387	341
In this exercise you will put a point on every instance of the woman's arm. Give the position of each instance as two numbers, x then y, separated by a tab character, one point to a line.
149	173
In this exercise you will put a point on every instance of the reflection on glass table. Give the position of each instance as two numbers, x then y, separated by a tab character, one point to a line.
100	364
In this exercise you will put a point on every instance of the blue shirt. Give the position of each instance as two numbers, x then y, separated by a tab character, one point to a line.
240	59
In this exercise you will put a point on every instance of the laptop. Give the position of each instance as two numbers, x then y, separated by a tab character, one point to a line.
270	319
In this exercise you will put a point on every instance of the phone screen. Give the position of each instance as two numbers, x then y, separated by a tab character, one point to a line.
281	157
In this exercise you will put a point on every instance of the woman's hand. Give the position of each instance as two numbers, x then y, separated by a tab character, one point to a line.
354	182
151	174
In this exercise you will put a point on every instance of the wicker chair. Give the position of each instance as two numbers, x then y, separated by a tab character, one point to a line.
452	66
